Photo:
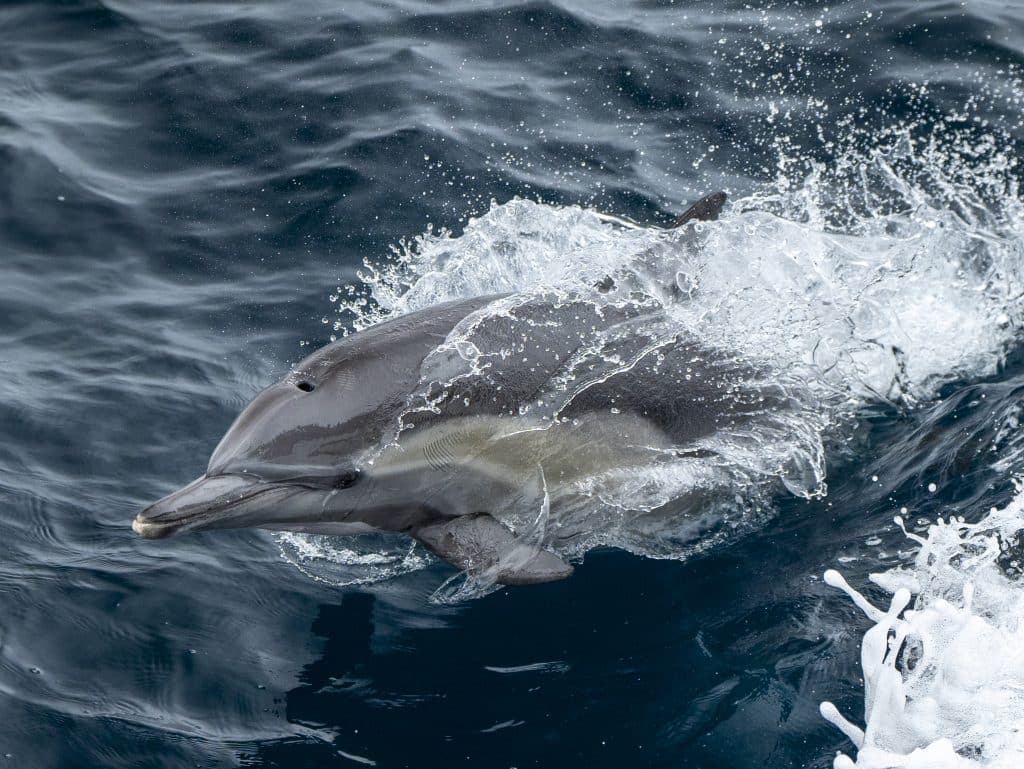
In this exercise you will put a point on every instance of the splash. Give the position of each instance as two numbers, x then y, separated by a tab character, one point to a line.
874	278
944	681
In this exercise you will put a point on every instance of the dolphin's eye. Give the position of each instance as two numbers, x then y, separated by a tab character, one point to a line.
346	479
306	387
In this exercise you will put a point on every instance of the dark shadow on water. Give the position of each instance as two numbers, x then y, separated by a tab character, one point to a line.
632	662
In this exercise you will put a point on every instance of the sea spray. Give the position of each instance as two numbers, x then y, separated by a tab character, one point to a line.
944	680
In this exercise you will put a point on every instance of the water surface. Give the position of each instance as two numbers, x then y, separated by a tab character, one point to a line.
184	188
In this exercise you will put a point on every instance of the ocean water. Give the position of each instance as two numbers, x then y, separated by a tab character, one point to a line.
193	197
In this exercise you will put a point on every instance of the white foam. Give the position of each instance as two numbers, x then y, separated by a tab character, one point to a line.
944	682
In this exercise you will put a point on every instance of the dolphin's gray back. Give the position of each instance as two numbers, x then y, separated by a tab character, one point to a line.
572	357
542	358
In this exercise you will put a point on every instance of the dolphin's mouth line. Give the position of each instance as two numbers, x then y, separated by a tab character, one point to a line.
193	515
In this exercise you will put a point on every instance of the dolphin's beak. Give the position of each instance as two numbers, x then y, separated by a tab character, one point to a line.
207	502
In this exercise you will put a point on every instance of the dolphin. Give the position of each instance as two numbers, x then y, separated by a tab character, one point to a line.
460	424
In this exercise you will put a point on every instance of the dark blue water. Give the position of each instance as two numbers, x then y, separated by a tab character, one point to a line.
182	187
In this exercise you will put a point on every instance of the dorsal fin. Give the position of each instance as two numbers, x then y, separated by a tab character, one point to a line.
706	209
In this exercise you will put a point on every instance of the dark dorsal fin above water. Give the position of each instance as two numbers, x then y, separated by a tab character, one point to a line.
705	210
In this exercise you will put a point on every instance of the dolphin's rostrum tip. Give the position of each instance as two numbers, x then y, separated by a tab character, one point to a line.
148	529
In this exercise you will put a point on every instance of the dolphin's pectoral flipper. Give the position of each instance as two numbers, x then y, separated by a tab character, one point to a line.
706	209
482	546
